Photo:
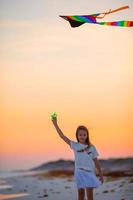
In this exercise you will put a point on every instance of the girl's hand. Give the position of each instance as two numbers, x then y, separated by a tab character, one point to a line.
101	179
54	120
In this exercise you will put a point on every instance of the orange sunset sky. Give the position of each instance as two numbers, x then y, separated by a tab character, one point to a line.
84	74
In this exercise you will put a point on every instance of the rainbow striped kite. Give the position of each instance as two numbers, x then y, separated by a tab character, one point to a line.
78	20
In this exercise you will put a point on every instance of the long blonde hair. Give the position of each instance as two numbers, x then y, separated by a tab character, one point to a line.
81	127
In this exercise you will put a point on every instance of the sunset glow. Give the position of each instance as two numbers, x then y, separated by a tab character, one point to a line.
84	74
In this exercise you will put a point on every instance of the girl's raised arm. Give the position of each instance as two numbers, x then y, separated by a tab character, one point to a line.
67	140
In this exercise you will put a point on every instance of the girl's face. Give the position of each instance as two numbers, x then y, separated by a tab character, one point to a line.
82	136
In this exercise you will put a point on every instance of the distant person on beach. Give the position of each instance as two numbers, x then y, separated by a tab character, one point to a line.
85	161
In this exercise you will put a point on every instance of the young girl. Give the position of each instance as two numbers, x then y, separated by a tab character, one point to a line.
85	161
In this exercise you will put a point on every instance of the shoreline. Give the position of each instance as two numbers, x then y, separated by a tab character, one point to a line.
39	186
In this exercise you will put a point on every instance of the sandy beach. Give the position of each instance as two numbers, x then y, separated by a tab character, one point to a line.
41	186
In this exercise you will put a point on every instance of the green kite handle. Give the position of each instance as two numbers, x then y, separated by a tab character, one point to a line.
53	115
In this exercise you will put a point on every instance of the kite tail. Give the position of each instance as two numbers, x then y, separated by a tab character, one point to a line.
117	23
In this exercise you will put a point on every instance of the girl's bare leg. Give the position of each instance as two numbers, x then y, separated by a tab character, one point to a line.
81	194
89	192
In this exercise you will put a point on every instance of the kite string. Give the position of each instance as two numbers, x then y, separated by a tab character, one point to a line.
112	11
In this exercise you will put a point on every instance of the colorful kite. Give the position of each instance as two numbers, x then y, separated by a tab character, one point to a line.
78	20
